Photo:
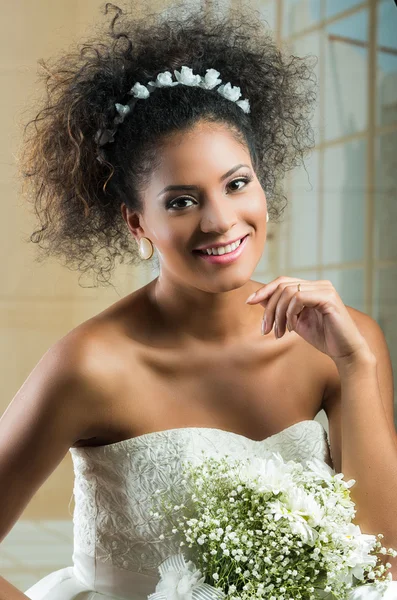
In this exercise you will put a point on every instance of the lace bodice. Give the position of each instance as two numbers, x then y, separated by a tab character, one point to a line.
114	485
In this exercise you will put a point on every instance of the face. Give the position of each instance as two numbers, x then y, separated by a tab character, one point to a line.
202	196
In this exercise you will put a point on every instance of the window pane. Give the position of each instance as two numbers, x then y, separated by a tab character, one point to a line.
344	202
386	107
299	15
349	283
346	75
309	45
385	197
333	7
303	201
268	12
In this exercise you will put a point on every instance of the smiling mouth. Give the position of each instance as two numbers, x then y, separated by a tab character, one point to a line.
221	250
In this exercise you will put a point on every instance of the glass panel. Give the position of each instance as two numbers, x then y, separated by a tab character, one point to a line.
386	106
309	274
344	202
264	263
299	15
333	7
346	75
283	236
304	214
349	283
385	197
268	12
310	45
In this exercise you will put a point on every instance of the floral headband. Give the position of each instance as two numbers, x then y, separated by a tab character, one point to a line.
184	77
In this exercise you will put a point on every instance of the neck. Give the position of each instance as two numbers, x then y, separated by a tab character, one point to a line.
188	312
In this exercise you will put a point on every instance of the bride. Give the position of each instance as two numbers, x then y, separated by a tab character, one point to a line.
168	138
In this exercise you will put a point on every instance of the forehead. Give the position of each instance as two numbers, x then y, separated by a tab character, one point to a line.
203	148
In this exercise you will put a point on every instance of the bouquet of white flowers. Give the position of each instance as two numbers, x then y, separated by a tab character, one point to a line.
268	529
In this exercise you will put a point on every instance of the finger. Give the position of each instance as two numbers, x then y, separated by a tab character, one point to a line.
278	305
269	288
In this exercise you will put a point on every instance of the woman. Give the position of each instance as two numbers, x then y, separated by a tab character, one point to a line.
171	135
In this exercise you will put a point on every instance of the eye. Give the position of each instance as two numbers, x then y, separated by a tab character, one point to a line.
172	203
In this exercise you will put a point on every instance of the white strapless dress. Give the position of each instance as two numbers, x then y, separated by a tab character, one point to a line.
117	548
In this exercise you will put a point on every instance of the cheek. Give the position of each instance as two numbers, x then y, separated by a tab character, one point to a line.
167	235
256	208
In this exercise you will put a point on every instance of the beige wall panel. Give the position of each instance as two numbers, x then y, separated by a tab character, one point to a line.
41	302
32	30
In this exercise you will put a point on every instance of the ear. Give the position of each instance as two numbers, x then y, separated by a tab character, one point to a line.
134	222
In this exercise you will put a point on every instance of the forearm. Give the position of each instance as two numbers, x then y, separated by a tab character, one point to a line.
9	592
369	451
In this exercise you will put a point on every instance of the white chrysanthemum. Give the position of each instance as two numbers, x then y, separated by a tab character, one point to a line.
306	506
274	474
321	468
301	510
359	556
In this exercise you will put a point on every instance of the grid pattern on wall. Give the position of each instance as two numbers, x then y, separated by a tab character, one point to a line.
341	219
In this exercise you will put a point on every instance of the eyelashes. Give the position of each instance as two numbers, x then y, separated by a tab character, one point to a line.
170	205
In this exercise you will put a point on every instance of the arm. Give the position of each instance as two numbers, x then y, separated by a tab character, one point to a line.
359	407
10	592
50	412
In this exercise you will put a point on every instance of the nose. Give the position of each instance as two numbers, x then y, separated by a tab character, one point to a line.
218	215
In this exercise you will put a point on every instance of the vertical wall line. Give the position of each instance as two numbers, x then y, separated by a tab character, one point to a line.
321	140
370	175
275	264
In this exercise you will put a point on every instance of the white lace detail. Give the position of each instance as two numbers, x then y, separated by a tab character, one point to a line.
114	485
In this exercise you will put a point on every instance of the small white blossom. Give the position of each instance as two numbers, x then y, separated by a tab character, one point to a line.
139	91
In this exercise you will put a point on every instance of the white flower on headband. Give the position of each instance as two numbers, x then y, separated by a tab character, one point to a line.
184	77
123	110
230	92
211	79
139	91
244	104
163	80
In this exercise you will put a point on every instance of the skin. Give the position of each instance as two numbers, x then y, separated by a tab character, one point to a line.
217	370
197	300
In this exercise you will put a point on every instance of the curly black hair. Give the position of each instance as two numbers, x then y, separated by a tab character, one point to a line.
77	187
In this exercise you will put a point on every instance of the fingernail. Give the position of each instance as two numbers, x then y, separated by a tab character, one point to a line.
276	330
263	325
251	297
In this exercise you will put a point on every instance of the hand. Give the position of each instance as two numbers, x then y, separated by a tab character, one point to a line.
316	313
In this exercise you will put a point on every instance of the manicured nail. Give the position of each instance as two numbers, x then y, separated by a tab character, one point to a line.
250	297
276	330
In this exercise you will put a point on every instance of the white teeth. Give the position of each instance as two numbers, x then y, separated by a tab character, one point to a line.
223	249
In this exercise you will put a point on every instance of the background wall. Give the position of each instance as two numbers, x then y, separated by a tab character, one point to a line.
341	218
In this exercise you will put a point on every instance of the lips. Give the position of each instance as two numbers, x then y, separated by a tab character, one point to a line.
203	248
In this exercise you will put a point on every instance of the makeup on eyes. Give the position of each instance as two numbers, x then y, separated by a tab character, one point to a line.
245	177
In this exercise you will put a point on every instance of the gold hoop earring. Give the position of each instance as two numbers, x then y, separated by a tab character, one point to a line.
146	248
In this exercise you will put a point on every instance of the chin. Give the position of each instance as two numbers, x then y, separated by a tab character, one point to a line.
222	282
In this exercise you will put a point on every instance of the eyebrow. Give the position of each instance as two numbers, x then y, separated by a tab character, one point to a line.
195	187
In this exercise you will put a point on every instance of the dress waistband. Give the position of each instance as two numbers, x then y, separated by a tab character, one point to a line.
112	581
